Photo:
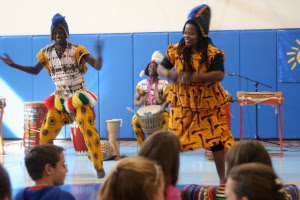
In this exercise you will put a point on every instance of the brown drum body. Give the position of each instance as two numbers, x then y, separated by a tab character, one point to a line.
2	102
35	113
150	118
78	140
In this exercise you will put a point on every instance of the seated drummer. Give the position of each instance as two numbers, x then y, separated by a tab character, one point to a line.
158	95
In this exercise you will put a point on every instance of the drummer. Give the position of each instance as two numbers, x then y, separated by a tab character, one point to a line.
158	88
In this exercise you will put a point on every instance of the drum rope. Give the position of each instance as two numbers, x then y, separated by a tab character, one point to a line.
31	129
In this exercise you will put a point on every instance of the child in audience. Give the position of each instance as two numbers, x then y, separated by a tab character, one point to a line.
5	186
163	147
254	181
246	151
133	178
46	166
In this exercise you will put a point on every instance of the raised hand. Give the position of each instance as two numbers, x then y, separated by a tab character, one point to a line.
99	44
7	60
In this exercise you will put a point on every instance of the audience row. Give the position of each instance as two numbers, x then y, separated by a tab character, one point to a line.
153	175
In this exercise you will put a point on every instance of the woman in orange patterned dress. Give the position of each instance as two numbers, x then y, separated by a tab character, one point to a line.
197	114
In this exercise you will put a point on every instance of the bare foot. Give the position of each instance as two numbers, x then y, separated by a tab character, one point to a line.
100	173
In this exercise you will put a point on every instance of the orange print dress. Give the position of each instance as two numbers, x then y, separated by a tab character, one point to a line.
197	114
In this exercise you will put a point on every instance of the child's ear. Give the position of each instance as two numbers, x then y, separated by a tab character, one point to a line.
48	169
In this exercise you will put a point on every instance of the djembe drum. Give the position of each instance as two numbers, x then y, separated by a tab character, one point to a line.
208	154
81	148
112	127
151	118
78	140
35	113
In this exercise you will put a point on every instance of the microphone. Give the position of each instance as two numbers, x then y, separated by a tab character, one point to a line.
230	74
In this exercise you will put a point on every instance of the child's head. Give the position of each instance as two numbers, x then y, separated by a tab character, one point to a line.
133	178
253	181
5	186
163	147
247	151
46	161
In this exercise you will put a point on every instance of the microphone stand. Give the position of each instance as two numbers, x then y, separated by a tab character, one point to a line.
256	83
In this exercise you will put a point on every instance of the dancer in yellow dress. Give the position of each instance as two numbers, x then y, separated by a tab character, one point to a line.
197	99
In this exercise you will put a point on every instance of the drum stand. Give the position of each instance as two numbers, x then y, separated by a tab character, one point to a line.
256	83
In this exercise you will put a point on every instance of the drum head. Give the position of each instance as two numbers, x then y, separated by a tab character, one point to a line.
154	109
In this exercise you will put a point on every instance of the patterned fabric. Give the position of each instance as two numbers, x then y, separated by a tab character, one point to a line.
213	192
163	89
140	135
70	97
67	72
197	113
55	120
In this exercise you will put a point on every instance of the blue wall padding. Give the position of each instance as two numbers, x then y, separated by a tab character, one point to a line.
258	62
249	53
16	86
229	42
175	37
116	82
291	110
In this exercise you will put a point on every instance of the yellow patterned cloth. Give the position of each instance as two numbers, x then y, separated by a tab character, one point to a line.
55	120
70	97
140	135
197	114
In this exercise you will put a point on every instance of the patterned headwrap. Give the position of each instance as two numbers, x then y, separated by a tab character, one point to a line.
156	57
201	15
59	20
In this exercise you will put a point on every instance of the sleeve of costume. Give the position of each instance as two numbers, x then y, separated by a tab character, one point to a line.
217	64
79	53
139	90
169	60
43	60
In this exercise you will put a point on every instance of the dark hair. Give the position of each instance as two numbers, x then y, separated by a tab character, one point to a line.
186	52
247	151
39	156
5	185
256	182
132	178
164	148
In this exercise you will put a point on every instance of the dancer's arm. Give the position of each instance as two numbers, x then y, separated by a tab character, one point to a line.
97	64
164	72
28	69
